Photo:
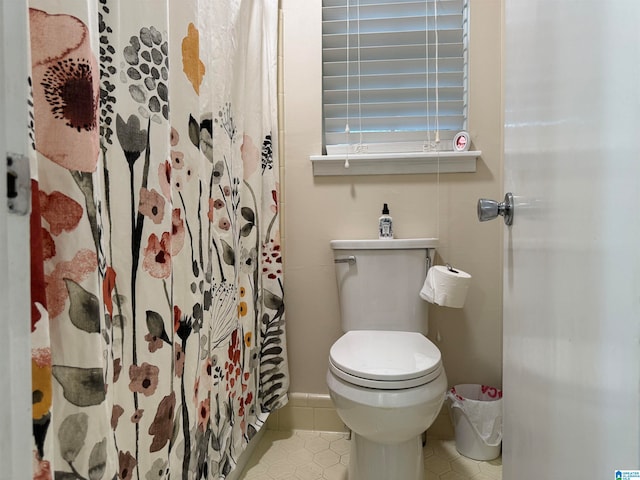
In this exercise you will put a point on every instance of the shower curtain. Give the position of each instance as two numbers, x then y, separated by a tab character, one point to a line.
158	329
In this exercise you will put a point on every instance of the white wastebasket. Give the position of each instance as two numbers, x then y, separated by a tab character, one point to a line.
477	418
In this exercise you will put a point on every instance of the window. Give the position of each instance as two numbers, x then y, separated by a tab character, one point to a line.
394	75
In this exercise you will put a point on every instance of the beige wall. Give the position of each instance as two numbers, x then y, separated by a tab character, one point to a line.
318	209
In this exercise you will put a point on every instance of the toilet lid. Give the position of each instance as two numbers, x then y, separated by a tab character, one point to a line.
386	356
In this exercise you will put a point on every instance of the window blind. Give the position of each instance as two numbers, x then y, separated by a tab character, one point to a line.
379	74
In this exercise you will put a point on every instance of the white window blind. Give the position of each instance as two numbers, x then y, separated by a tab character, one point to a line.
379	74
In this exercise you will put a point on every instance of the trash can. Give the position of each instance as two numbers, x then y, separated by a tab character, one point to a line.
476	411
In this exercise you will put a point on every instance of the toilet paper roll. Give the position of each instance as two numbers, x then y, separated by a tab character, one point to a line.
445	287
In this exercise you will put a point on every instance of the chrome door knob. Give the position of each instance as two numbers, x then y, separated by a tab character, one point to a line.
490	209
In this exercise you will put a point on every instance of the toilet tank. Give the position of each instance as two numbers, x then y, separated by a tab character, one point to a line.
379	283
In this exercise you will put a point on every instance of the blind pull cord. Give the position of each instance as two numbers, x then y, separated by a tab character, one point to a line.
435	14
347	130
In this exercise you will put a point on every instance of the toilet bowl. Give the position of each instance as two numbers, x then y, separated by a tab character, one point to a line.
385	377
387	387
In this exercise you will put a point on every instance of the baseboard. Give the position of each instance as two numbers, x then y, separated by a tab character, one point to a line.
307	411
314	411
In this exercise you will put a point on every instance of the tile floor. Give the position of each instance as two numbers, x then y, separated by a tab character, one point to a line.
312	455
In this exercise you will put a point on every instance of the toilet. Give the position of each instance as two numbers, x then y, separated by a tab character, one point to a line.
385	377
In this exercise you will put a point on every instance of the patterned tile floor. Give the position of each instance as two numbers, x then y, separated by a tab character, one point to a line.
311	455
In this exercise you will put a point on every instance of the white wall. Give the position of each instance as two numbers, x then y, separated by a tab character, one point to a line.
318	209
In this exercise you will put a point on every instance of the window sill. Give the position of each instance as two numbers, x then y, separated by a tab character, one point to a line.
395	163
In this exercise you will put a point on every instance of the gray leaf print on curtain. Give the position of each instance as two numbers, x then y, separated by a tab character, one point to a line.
82	387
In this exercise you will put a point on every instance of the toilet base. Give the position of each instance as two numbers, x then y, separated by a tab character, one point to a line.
376	461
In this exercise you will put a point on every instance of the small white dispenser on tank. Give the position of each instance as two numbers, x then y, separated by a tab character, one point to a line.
385	223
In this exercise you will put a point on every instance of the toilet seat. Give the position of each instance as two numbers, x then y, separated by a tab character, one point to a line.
385	360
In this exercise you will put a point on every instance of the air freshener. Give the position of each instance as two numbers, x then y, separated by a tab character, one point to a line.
385	224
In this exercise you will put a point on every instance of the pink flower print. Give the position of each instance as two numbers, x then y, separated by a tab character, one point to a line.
207	368
62	213
137	416
224	224
164	178
65	85
177	232
116	413
48	246
210	213
41	468
144	378
177	159
250	156
178	359
84	262
157	257
174	137
154	343
189	174
126	464
177	182
204	411
196	390
41	356
151	205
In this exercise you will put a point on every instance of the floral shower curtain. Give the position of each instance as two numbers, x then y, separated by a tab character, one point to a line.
158	314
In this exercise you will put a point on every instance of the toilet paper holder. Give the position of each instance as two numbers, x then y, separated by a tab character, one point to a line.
451	269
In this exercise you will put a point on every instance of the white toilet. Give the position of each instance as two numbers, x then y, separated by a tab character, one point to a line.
385	377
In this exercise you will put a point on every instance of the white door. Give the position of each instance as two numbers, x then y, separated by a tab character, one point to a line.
15	355
572	256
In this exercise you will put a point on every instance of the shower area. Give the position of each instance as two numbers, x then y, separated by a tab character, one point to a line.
157	314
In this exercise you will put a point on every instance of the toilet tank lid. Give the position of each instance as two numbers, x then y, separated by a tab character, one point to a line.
385	244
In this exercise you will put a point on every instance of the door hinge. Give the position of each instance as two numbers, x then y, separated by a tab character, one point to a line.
18	184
